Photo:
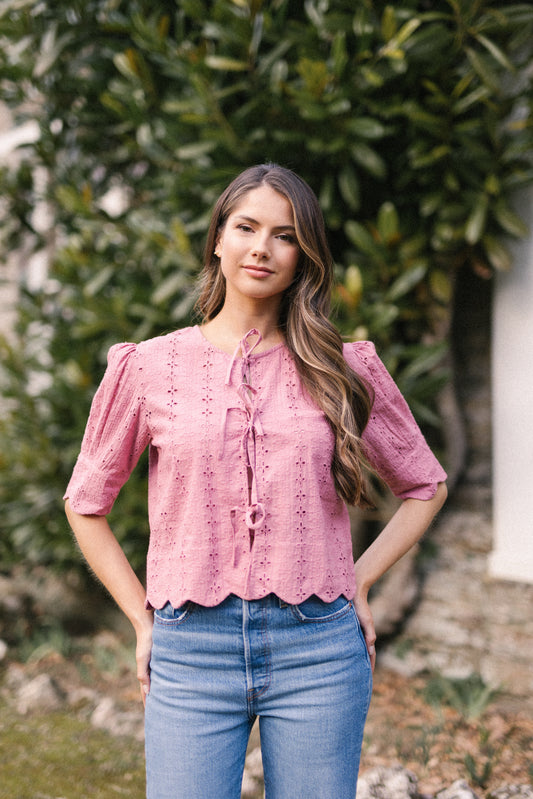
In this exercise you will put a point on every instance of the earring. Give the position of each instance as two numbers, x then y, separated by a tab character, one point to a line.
217	253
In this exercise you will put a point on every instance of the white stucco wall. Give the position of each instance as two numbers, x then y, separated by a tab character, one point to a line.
512	392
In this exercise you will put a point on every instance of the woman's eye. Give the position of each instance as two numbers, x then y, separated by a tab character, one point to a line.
287	237
245	228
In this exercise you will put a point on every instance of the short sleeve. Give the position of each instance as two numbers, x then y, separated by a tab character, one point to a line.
393	442
115	435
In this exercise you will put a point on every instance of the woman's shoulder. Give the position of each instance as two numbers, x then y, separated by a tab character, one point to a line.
360	355
151	352
361	349
155	347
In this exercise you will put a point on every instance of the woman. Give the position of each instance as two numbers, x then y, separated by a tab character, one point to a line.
259	425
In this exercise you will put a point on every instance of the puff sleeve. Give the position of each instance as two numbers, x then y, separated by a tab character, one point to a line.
394	444
115	435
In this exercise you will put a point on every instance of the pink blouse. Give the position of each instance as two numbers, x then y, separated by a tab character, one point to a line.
241	495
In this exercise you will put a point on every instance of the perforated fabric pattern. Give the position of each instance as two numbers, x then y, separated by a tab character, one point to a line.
241	496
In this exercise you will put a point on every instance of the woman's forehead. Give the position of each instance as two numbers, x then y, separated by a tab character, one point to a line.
264	202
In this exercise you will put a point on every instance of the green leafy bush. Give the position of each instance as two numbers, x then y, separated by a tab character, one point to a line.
411	121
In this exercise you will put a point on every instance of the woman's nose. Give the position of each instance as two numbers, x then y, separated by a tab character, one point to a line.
260	248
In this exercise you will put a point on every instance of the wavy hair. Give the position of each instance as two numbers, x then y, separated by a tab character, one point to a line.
314	343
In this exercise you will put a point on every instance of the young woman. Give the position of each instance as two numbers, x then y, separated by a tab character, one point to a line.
259	425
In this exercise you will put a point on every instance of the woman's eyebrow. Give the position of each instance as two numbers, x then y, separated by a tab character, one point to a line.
253	221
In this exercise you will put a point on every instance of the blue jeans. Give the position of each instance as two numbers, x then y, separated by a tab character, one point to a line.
302	669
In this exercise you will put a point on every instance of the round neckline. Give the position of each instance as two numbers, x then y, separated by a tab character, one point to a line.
229	355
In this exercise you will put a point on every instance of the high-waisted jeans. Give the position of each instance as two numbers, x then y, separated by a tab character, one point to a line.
302	669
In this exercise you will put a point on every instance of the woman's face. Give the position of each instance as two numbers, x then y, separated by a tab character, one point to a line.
257	247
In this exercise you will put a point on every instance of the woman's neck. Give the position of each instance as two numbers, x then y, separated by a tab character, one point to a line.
228	328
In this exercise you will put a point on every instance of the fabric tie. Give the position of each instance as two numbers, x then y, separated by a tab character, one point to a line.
254	512
246	351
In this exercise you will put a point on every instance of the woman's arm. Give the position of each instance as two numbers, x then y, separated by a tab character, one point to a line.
404	529
107	560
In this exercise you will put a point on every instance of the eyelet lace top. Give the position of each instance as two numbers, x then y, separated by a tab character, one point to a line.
241	495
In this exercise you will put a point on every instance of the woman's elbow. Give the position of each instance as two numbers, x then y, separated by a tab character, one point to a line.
440	496
69	512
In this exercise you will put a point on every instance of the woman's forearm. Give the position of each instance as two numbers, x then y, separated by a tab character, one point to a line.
107	560
404	529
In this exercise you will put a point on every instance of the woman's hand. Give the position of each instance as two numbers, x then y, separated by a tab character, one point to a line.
364	614
143	654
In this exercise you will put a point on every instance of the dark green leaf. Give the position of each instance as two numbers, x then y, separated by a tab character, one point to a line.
406	282
475	224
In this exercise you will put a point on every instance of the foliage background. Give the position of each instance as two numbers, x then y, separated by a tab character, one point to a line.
411	121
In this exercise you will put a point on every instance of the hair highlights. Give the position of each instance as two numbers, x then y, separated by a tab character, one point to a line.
313	341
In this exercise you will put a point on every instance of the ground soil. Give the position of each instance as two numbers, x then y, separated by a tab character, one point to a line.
488	742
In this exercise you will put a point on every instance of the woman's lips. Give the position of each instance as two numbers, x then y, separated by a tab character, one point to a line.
257	271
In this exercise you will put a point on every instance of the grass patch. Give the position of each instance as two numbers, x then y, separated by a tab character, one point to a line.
57	756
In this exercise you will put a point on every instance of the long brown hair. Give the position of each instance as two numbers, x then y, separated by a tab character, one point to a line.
315	344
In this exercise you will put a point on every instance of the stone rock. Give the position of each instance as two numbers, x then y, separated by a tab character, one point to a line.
107	717
15	677
10	601
253	774
40	694
104	714
387	783
254	763
458	790
249	786
408	665
512	792
83	697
